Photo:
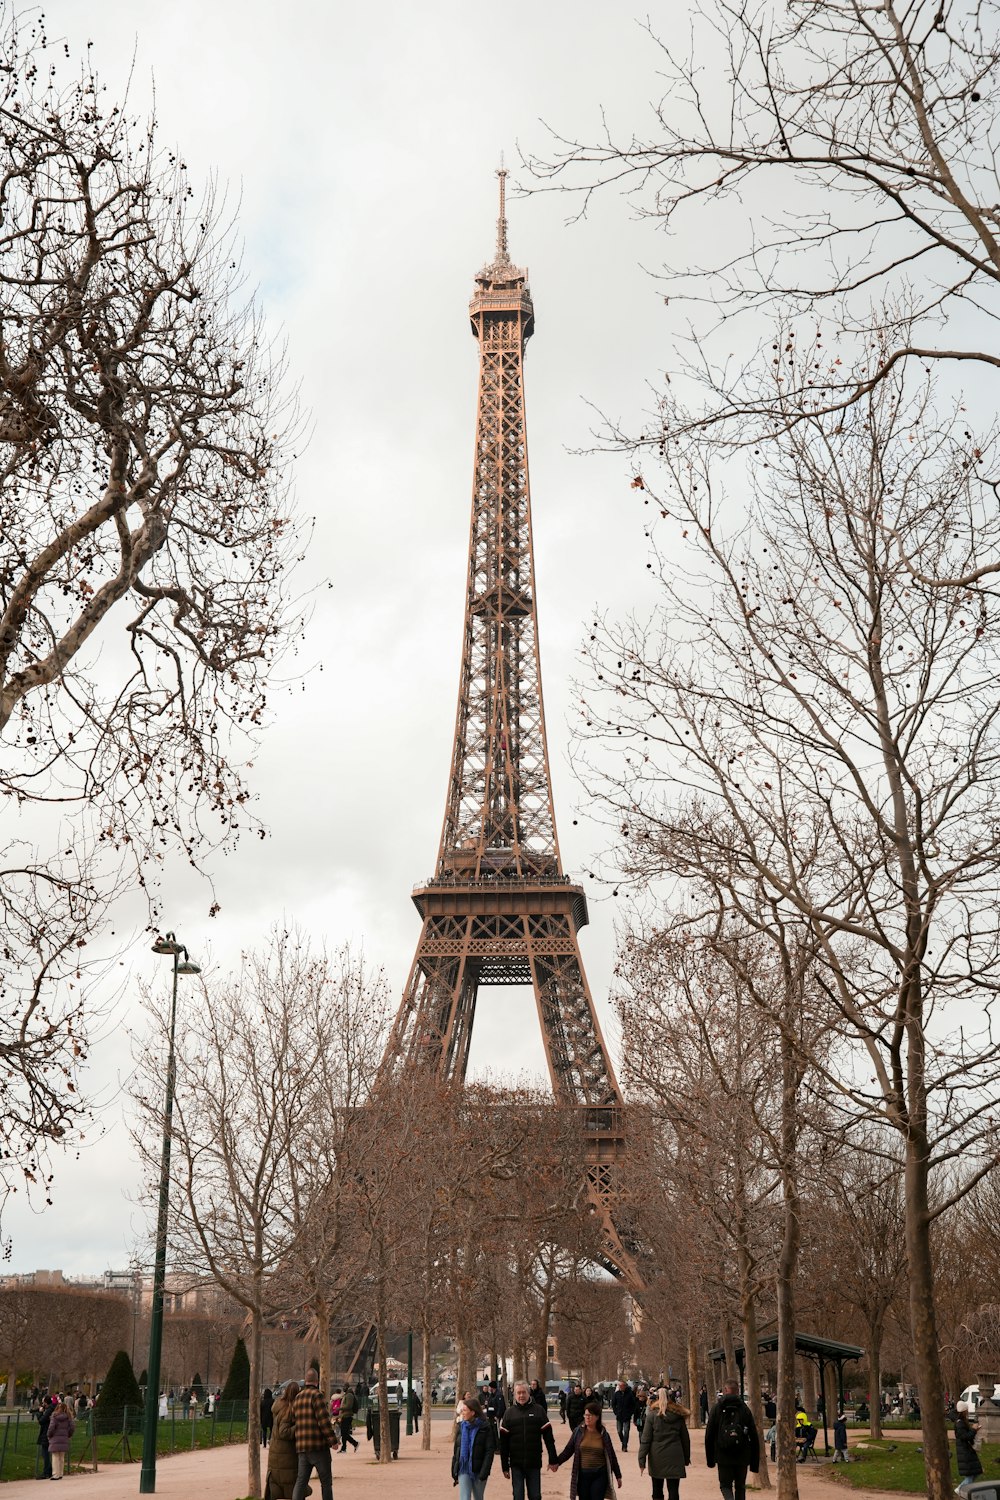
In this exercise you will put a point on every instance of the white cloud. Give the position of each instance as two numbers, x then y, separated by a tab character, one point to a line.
362	141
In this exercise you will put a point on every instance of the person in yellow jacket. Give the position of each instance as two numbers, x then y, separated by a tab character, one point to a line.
805	1432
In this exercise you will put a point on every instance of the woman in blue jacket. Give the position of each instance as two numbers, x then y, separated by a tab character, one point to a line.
472	1455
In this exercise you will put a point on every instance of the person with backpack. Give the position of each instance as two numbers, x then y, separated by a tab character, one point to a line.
732	1443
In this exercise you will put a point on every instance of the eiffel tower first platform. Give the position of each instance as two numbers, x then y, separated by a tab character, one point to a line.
499	910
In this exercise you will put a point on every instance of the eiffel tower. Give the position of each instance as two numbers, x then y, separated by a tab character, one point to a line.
499	910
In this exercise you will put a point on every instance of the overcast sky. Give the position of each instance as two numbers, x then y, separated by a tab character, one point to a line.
361	144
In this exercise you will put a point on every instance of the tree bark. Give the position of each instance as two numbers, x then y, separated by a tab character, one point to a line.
253	1405
321	1307
385	1436
692	1377
788	1484
923	1322
425	1351
751	1357
875	1376
732	1368
542	1336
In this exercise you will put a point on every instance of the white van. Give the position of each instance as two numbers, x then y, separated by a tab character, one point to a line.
971	1394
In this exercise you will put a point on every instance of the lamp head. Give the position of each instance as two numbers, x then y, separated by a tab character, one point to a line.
167	944
189	967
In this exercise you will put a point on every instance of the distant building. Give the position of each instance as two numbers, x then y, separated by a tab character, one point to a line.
182	1293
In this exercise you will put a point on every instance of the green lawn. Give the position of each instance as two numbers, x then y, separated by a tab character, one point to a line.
899	1466
19	1456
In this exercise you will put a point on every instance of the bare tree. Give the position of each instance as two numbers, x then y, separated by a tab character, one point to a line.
839	156
864	1240
712	1023
331	1231
249	1077
810	731
592	1326
145	538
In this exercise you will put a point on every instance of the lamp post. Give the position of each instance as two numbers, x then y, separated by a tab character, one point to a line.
147	1474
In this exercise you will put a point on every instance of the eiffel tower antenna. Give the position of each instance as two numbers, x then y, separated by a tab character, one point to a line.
502	252
498	909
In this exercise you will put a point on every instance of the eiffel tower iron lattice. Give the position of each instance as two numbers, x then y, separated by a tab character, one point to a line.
498	909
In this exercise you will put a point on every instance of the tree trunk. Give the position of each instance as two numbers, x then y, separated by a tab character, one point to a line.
11	1383
463	1383
788	1484
542	1336
425	1375
875	1375
923	1322
385	1436
256	1352
751	1356
321	1307
692	1378
728	1344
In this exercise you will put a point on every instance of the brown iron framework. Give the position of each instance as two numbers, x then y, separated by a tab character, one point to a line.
499	910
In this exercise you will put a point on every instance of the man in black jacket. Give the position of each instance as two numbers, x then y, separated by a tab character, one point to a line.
576	1401
523	1429
731	1441
623	1406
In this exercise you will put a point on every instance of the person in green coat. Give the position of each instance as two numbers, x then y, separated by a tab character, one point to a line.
665	1444
282	1458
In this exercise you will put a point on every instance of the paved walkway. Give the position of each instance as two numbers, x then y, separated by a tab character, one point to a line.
221	1474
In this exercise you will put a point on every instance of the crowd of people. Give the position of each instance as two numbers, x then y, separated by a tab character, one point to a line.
300	1428
188	1401
522	1432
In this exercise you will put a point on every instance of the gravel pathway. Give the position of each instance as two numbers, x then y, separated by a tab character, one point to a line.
221	1474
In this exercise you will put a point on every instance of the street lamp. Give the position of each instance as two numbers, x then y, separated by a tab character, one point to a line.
147	1474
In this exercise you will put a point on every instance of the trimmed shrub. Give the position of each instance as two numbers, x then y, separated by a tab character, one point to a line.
237	1386
120	1390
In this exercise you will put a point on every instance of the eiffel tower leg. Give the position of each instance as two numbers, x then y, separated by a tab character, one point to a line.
581	1072
433	1027
578	1061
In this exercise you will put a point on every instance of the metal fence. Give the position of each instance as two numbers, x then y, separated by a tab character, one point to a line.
116	1437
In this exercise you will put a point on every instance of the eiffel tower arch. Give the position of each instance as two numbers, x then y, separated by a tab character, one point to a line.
499	910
